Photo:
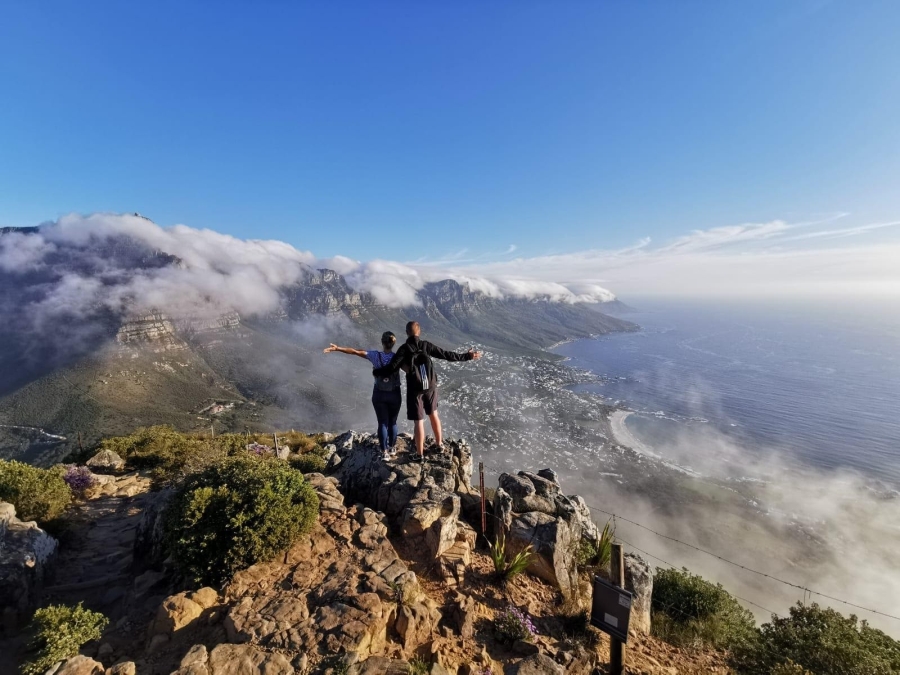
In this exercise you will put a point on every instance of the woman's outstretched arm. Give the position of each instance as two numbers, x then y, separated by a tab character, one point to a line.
345	350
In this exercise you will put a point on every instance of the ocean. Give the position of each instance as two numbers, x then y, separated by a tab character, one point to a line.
818	385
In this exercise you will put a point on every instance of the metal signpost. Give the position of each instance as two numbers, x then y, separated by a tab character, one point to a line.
611	611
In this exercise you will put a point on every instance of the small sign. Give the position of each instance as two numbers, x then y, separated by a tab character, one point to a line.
611	609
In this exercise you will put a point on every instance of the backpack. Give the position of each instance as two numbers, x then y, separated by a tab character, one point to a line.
421	370
386	383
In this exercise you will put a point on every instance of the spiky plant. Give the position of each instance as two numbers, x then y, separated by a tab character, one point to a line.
504	567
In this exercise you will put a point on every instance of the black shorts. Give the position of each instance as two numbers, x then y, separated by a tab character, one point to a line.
421	404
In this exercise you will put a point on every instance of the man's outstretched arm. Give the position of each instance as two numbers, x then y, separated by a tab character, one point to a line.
437	353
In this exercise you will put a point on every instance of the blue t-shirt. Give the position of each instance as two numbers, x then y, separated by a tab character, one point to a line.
380	359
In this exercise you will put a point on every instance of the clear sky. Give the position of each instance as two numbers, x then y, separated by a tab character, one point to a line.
409	130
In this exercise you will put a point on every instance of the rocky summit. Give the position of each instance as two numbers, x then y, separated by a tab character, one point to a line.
393	578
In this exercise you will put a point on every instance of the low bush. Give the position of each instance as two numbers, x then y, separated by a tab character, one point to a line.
238	511
505	567
513	624
689	611
37	494
819	640
60	631
172	455
308	462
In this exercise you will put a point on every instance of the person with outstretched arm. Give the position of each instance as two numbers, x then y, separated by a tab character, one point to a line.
414	357
386	397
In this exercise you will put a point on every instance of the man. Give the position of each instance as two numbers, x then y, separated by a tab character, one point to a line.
414	357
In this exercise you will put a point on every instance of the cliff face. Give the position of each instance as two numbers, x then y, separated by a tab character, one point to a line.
154	329
324	292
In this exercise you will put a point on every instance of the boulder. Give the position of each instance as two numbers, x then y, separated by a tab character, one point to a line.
124	668
228	659
589	529
538	664
525	496
26	555
176	612
554	542
639	580
106	461
81	665
379	665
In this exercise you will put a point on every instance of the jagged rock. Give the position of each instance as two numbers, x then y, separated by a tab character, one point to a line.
106	461
554	542
176	612
503	512
149	537
589	529
525	496
550	475
639	580
463	613
197	654
125	668
416	622
81	665
26	554
228	659
538	664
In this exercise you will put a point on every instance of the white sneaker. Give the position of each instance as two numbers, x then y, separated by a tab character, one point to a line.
387	456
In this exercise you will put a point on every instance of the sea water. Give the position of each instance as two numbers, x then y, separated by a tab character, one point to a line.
819	384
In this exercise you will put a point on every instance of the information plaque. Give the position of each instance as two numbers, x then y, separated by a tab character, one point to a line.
611	609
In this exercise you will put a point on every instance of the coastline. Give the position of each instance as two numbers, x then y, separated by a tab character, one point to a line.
623	436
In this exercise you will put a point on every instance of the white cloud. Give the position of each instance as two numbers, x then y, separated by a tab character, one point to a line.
764	260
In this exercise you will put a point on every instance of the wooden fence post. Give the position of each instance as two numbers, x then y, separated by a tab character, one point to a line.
481	485
616	648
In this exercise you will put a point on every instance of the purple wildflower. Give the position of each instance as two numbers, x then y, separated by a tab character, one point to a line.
514	624
79	479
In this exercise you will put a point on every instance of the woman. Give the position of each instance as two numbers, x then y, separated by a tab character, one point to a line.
386	397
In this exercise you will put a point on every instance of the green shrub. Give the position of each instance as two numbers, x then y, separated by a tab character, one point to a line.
237	512
60	633
821	641
689	611
308	462
419	666
172	455
504	567
37	494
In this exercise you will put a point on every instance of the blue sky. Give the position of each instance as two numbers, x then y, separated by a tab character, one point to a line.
413	131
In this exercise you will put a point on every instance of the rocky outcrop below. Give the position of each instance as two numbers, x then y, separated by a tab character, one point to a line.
423	501
26	554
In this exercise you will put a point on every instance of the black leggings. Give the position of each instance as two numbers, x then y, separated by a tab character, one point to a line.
387	406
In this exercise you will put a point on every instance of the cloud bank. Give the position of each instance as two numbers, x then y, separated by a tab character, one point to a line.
755	260
93	258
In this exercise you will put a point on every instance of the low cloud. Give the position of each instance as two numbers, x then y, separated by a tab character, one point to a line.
763	261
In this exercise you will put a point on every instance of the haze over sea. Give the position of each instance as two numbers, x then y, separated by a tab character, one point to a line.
818	384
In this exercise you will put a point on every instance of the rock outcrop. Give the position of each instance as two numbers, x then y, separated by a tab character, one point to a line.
422	500
535	513
639	580
26	554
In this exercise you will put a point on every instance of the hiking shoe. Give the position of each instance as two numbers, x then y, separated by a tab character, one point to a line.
386	456
417	458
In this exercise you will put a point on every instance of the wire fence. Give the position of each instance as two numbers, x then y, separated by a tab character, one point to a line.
808	592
